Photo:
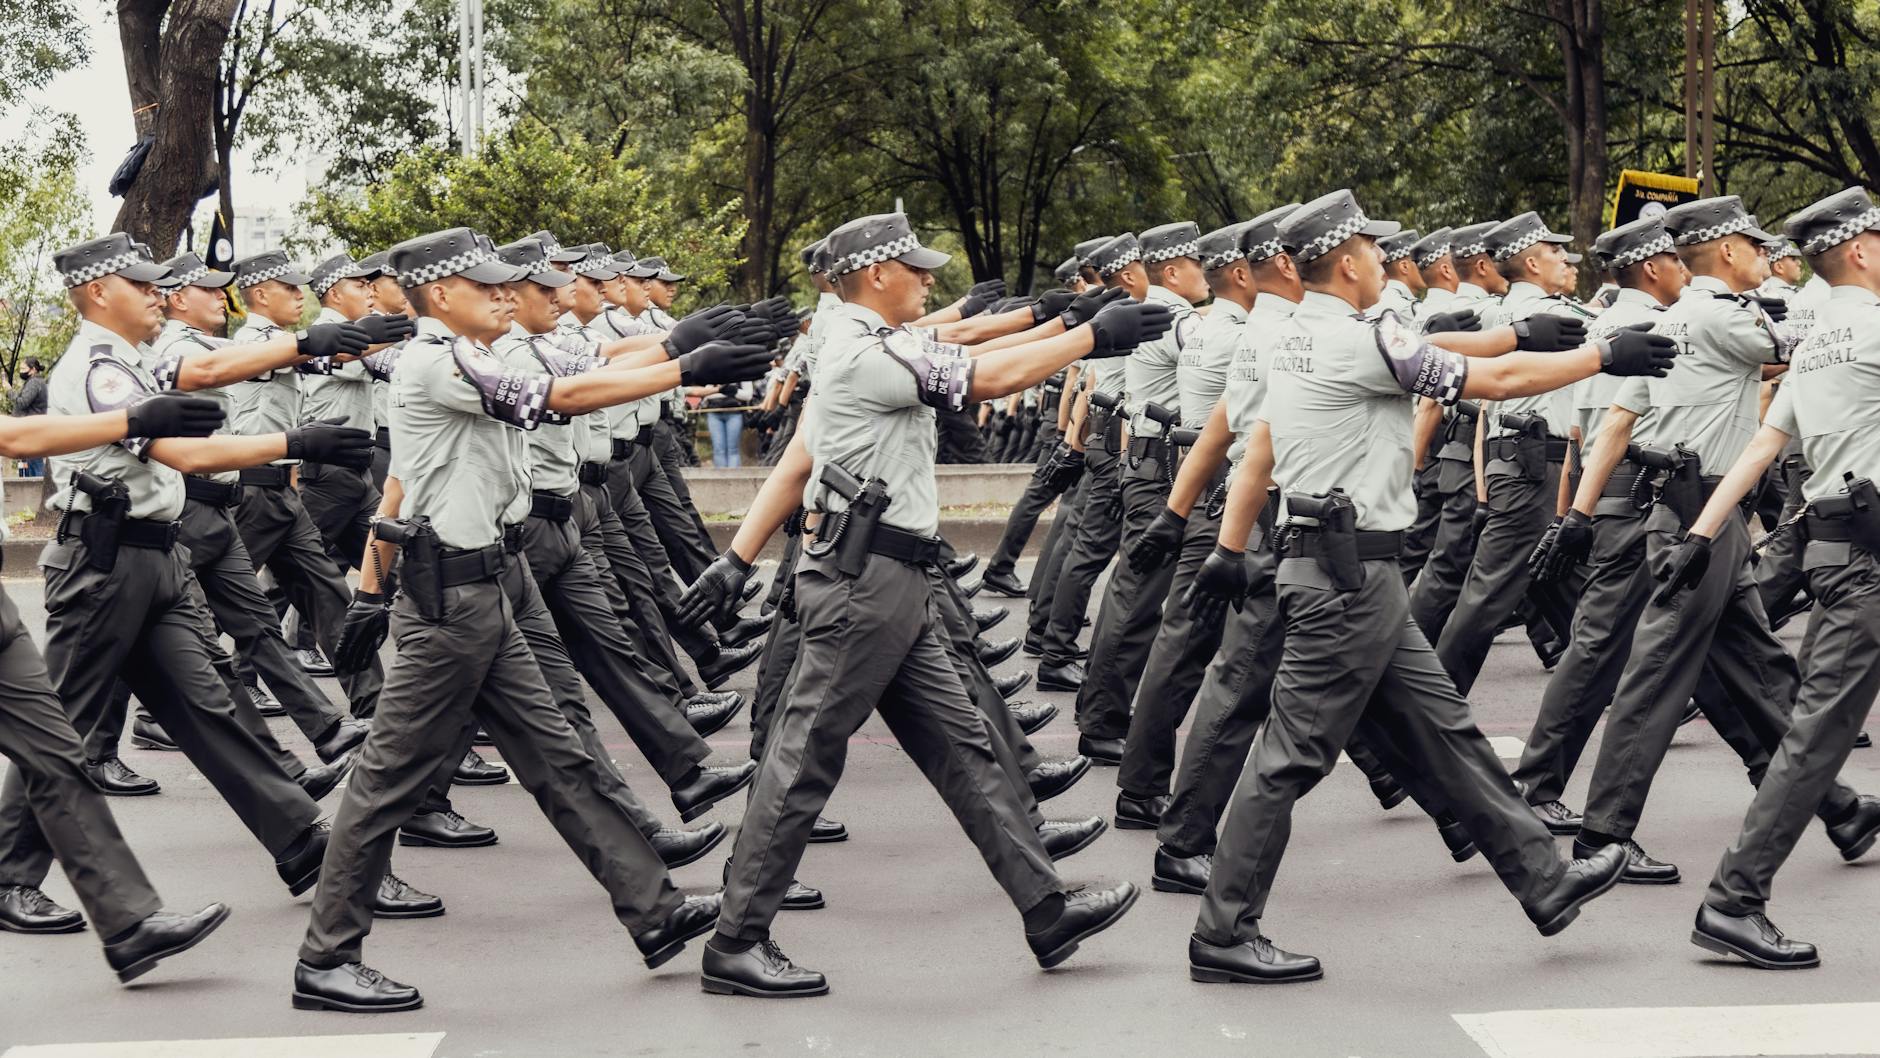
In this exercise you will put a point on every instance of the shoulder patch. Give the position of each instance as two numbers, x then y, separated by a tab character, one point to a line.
109	385
517	398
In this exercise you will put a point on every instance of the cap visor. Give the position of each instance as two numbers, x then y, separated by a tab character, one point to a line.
670	277
923	258
144	272
551	279
567	256
295	279
602	275
214	280
1574	258
1757	233
491	272
1377	229
636	272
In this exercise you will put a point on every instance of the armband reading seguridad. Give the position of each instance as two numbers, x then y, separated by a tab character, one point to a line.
519	398
942	377
1419	367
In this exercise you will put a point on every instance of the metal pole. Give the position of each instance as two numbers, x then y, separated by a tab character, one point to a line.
463	75
1690	87
476	66
1710	97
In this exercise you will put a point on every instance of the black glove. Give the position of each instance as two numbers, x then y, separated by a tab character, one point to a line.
717	592
1572	545
333	339
752	330
368	620
1221	582
1635	350
1062	470
981	294
1478	519
1085	306
1548	333
1158	544
173	415
1777	309
1119	328
718	362
780	313
1544	549
1465	320
1681	567
325	441
384	330
1113	510
1052	303
705	325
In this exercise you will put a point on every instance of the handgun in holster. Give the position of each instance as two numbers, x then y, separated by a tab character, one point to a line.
1461	425
1338	535
1263	537
1677	475
419	553
110	503
848	532
1179	442
1163	418
1860	505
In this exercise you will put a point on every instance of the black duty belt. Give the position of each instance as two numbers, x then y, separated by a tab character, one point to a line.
897	544
591	473
512	539
265	477
1146	448
1620	483
1833	529
212	493
644	437
550	506
620	448
470	566
1509	448
151	533
382	438
1303	542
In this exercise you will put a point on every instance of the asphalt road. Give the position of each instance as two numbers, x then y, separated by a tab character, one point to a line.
1423	957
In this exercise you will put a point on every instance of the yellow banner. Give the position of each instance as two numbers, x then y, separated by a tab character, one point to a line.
1642	194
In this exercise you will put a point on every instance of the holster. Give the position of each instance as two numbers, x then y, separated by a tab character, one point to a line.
1336	543
1855	513
110	503
1679	477
1527	450
1105	427
418	550
849	534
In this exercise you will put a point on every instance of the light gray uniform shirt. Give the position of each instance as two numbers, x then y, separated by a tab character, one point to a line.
346	393
1830	397
164	359
1522	301
1246	375
1150	372
100	371
270	403
1202	374
1593	397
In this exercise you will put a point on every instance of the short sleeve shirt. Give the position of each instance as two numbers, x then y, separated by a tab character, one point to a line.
1150	371
1525	300
1202	374
1593	397
271	402
100	371
874	412
1246	386
557	446
1830	397
462	469
164	359
345	394
625	420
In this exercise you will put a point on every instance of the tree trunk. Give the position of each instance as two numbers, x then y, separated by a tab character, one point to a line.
178	72
1582	30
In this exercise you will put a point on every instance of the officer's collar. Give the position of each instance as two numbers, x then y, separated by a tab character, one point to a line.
1522	290
1166	296
1856	295
1708	285
1228	308
96	334
1635	296
1320	303
863	315
1401	287
1466	289
828	299
1267	301
329	314
435	329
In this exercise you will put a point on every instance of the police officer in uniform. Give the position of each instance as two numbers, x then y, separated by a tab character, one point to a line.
1132	602
457	413
871	634
1703	416
1829	401
121	599
341	500
1351	649
275	525
47	776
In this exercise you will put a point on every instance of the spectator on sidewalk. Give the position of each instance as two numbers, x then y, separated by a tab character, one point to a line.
30	399
726	425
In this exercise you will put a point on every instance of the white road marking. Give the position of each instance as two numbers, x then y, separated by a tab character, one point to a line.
1507	747
1678	1032
388	1045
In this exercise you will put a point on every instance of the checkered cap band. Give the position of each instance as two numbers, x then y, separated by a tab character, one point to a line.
1398	254
257	278
592	264
1785	248
449	266
1432	255
874	255
1261	251
1119	262
1323	243
1628	258
1840	233
1716	231
1470	249
323	281
100	269
550	247
1525	241
1191	248
190	276
1222	259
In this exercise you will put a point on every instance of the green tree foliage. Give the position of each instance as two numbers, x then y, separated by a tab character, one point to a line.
525	181
41	210
38	39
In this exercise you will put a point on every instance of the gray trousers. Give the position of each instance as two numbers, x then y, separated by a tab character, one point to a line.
1780	579
1717	626
631	582
671	518
1128	618
1175	670
473	666
874	642
1036	499
145	622
1087	555
72	821
226	574
700	643
776	665
669	441
1421	536
1614	594
1352	655
1433	593
281	538
601	652
343	503
1041	593
1498	581
1840	676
